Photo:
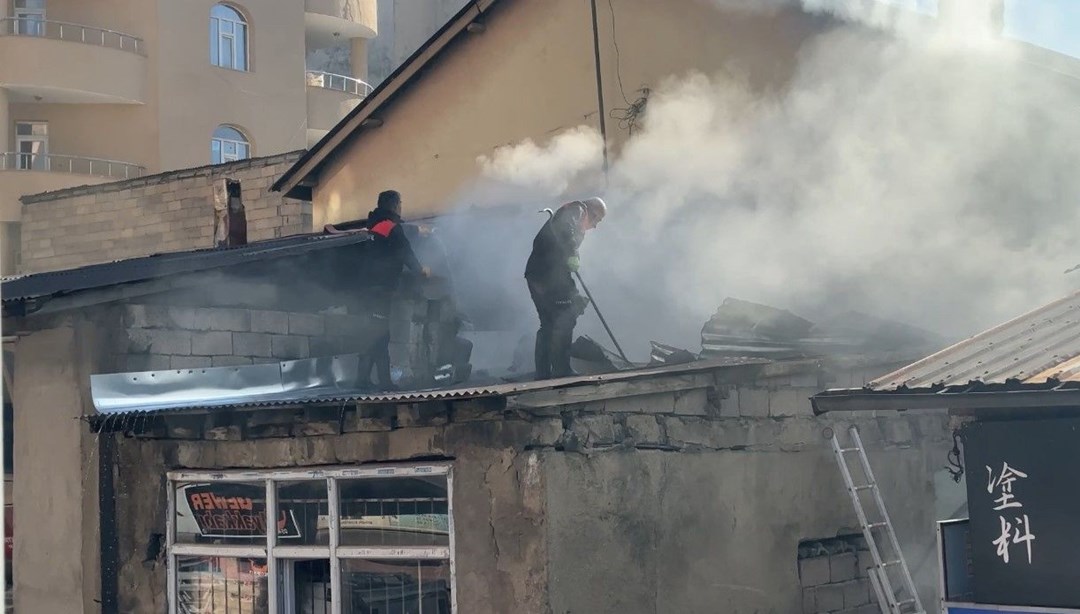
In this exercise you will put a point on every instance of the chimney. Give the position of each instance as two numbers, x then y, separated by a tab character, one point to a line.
230	221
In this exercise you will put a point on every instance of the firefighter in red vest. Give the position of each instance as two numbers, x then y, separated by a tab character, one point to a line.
390	254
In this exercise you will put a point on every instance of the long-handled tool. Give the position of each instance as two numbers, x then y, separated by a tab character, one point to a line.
622	354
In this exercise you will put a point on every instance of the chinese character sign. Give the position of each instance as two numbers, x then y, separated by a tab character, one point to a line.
1023	505
1019	533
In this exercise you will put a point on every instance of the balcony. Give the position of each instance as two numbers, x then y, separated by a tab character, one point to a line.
330	22
329	98
70	165
60	62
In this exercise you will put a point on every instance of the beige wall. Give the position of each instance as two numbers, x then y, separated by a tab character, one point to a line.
154	214
530	75
268	103
56	552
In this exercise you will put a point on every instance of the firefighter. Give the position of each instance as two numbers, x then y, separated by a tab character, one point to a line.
390	253
549	274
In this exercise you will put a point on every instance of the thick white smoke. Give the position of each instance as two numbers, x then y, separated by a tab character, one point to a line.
926	176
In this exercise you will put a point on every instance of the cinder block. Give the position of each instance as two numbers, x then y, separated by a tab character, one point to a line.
189	362
289	347
753	402
814	571
729	401
223	433
691	402
791	402
212	344
842	567
269	322
598	430
230	361
421	414
661	403
147	362
864	561
644	429
236	320
159	341
856	593
829	597
251	344
809	604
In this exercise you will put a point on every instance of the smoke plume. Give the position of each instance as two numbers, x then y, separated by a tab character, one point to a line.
924	174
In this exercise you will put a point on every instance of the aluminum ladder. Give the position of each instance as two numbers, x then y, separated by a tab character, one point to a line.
889	576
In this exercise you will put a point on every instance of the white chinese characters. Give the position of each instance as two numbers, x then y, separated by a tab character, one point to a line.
1012	533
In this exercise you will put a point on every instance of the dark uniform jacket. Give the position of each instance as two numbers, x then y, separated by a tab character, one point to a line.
390	251
548	268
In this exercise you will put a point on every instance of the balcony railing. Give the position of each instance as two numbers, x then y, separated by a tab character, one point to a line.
340	83
76	165
73	32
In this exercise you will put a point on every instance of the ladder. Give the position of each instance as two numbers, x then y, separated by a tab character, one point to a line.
889	576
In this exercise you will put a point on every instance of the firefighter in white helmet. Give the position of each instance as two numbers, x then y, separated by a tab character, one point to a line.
549	274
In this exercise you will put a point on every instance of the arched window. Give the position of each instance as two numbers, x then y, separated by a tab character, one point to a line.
228	145
228	38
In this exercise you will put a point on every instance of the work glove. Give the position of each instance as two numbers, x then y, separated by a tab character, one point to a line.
574	263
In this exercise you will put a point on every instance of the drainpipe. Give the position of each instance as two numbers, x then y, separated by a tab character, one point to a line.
599	84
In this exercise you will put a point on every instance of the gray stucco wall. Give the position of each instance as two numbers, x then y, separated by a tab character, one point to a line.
686	501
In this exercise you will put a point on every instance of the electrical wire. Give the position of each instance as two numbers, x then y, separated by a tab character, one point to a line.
628	116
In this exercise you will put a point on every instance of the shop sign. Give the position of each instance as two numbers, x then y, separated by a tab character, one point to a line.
224	509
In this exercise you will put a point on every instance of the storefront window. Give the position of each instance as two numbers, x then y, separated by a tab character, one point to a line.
346	540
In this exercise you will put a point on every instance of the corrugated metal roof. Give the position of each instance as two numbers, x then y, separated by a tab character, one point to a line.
163	265
312	381
1040	346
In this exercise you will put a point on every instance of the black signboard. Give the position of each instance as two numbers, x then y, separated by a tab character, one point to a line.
224	509
1024	507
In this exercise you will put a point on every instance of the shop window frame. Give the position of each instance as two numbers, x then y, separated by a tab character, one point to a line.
274	553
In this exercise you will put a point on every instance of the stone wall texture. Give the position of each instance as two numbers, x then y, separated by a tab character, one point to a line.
695	500
167	212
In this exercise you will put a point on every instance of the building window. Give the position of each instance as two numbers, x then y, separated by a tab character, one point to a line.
345	540
228	38
30	17
228	145
31	146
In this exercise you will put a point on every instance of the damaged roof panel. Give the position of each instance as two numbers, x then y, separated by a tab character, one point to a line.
315	380
1034	348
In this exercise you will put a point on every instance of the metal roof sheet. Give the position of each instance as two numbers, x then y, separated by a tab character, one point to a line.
1040	346
163	265
311	381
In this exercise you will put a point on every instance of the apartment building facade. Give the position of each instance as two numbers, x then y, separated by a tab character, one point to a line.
93	92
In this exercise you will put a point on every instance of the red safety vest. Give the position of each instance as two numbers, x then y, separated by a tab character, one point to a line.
383	228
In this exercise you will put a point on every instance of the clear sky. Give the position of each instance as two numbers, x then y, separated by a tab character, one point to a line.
1054	24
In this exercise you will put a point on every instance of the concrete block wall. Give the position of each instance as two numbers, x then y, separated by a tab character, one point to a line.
160	337
833	576
167	212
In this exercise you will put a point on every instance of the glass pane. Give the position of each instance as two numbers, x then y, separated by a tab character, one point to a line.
227	52
226	12
228	133
395	587
241	47
305	505
31	129
304	586
215	151
228	149
223	513
242	151
214	59
394	512
214	584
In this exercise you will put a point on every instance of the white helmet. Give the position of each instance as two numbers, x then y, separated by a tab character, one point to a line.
596	207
